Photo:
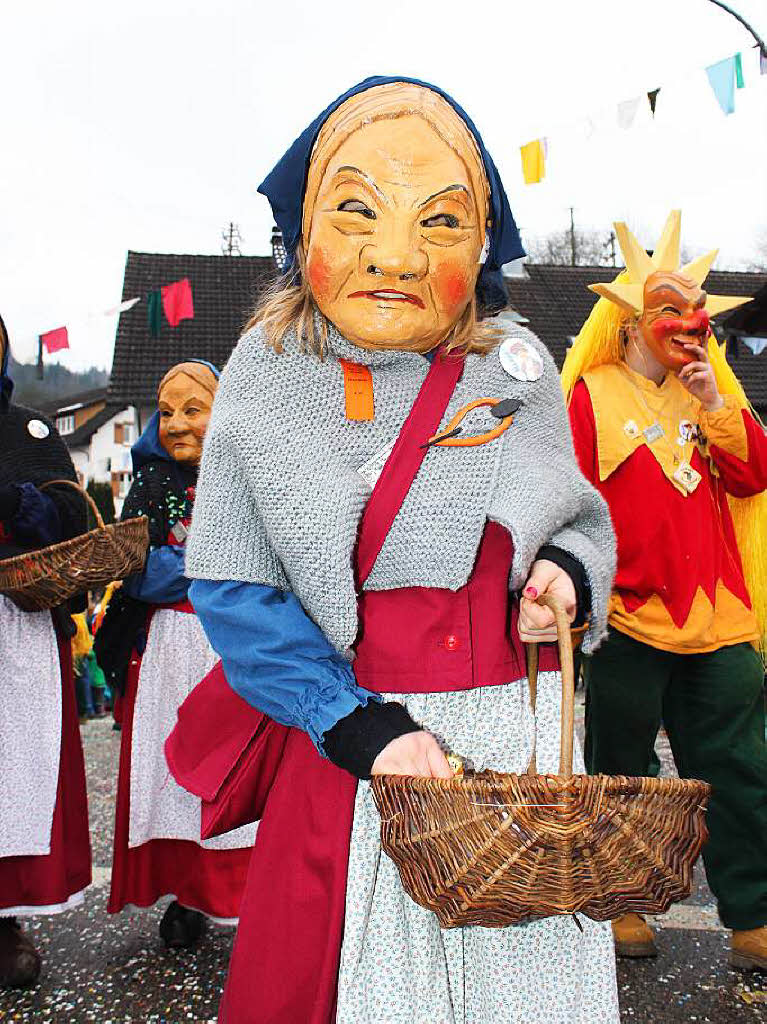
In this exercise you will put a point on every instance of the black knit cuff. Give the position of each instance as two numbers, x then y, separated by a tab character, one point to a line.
577	574
355	741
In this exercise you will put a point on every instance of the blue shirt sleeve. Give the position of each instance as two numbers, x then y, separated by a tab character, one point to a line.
275	657
37	520
163	580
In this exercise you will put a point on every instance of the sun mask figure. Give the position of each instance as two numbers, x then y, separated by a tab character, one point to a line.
665	302
154	650
663	429
358	481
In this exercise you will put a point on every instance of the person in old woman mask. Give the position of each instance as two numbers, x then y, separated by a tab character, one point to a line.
45	853
382	651
155	651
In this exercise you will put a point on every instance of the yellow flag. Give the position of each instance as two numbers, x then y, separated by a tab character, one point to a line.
533	162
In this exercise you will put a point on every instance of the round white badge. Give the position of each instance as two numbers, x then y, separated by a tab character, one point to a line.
520	360
38	429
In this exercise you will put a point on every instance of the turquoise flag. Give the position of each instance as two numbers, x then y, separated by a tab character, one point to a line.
739	71
722	78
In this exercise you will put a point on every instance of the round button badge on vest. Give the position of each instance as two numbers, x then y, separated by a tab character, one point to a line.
452	643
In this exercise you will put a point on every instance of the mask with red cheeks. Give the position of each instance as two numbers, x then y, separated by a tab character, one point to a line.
394	235
185	400
673	314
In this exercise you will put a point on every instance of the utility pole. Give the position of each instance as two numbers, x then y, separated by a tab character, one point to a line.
231	239
572	238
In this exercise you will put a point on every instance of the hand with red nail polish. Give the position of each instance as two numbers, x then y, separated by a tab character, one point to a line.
536	623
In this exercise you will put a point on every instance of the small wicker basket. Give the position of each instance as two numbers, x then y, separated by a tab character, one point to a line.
495	849
46	578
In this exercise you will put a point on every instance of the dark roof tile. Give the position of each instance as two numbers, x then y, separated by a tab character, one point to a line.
225	290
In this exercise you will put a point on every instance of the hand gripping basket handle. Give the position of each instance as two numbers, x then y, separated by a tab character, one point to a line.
565	643
80	490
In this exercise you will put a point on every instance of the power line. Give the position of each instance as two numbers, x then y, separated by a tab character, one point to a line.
744	23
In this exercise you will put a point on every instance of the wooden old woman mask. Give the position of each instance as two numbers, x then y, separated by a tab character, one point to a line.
185	399
394	218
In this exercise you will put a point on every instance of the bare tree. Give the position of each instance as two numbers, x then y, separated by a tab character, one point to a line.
592	248
759	262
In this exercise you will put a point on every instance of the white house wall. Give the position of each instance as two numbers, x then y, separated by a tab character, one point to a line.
104	456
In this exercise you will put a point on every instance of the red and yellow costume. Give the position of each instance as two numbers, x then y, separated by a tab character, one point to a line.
685	480
679	585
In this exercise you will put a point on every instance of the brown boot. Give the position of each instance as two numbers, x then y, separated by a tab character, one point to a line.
19	960
633	936
749	949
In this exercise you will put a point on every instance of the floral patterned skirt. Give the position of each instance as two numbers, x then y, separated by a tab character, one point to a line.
399	967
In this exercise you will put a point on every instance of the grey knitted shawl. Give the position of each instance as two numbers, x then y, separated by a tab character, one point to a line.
279	498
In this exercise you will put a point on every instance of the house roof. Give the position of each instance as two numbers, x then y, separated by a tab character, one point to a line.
84	433
751	318
72	402
556	301
224	292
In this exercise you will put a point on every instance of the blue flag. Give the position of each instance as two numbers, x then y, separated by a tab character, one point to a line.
722	78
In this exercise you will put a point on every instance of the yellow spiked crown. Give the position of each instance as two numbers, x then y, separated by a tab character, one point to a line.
628	292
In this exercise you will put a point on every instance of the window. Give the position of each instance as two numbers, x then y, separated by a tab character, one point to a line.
65	424
118	433
121	484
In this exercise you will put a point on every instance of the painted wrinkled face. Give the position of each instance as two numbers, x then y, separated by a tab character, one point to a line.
673	314
395	237
185	408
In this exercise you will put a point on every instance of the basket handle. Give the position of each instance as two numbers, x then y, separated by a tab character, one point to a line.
564	640
80	490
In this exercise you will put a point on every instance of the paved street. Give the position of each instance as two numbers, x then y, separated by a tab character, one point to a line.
115	969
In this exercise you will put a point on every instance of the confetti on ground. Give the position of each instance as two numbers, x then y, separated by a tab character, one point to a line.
115	970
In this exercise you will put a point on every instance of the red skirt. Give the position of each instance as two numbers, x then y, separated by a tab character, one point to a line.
211	881
49	881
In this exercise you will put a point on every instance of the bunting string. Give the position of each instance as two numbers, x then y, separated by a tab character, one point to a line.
173	302
724	78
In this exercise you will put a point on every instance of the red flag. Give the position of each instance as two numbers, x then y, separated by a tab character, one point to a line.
55	340
177	302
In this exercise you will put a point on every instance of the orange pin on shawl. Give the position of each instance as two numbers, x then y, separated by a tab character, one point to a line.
502	408
358	391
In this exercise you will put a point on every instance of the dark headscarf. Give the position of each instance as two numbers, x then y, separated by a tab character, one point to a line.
6	384
285	184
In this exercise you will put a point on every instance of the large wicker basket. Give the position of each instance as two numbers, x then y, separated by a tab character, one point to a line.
44	579
495	849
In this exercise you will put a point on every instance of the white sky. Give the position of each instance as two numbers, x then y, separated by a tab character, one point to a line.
149	125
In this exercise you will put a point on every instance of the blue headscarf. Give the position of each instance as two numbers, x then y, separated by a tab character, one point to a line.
148	447
285	184
6	384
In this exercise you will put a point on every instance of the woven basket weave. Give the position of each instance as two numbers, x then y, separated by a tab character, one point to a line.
46	578
494	849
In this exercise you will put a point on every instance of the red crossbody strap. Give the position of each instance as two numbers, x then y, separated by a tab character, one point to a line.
401	468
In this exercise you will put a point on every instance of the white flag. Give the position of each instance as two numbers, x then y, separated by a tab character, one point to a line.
123	307
757	345
627	112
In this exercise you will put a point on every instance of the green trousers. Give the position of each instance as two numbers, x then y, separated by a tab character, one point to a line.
712	706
